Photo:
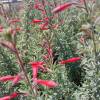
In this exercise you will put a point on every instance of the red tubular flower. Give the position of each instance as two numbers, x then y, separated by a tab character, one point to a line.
5	98
44	26
47	83
70	60
10	97
1	28
36	6
62	7
35	67
38	63
6	78
13	95
16	79
36	21
35	71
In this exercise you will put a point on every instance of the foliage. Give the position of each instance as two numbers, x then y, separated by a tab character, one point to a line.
50	31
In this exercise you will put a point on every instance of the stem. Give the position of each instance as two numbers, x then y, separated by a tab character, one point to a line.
50	30
86	7
24	71
93	37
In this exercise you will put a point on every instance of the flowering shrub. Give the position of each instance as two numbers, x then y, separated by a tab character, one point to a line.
50	50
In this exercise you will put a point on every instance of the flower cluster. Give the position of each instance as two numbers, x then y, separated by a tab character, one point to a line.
39	65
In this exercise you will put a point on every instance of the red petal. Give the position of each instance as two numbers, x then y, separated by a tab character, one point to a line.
37	21
46	19
6	78
62	7
38	63
35	67
1	28
13	95
70	60
5	98
48	83
35	71
16	79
